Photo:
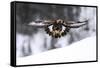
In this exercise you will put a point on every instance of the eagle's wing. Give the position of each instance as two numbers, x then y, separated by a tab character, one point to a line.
73	24
41	23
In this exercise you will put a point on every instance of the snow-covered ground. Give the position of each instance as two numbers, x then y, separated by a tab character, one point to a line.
83	50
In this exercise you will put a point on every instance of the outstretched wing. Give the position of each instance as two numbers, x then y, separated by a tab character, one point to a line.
73	24
41	23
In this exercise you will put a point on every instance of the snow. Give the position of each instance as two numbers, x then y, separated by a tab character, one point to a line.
83	50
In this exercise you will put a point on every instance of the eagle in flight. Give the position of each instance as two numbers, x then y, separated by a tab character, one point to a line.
59	27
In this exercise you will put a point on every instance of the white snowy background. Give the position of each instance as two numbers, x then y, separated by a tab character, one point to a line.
5	36
79	51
